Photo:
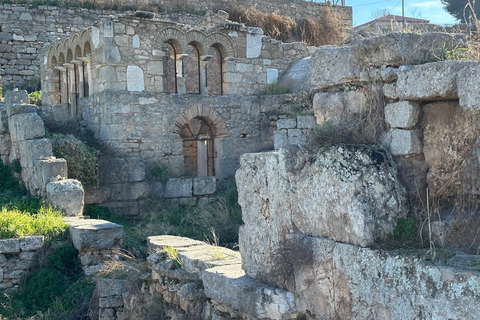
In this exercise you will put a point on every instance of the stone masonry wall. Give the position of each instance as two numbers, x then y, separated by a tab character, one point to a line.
22	137
26	30
16	257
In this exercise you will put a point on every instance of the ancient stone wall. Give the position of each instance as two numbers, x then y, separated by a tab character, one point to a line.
26	30
17	256
22	137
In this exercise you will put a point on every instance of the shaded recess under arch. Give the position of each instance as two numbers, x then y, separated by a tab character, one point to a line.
200	129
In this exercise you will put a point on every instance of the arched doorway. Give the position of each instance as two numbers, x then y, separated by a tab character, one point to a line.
199	154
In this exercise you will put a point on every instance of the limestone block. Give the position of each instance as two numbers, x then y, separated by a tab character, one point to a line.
32	150
254	42
229	285
280	139
178	188
332	66
404	142
320	194
396	49
389	75
94	234
155	67
130	191
467	85
3	120
5	144
156	243
31	243
297	76
135	79
158	190
120	170
16	97
13	109
296	137
26	126
52	168
10	246
430	81
272	75
204	186
306	122
286	123
338	106
66	195
403	114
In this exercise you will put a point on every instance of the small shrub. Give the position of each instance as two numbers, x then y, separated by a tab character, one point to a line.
8	182
172	254
276	88
406	228
160	173
82	160
35	97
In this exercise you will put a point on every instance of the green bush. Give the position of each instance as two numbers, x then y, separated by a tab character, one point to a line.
406	228
82	160
8	182
35	97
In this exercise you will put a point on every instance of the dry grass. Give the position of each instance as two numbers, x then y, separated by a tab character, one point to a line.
328	30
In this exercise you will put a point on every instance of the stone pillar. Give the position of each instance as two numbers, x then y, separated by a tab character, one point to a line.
78	65
181	89
62	84
203	73
71	101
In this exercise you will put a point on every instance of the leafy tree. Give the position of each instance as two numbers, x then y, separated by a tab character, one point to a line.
457	7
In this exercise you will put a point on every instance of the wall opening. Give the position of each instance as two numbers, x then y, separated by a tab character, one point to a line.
198	147
169	68
214	71
191	69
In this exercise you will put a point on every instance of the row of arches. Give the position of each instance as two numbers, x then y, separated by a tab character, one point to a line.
193	61
68	65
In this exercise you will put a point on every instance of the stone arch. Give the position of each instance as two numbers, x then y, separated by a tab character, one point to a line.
173	36
87	48
221	128
223	42
78	52
198	38
69	57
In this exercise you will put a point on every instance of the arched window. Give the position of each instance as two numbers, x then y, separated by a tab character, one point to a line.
214	70
61	77
87	51
191	69
198	147
170	84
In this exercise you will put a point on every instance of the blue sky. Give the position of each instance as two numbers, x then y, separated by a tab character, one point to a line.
424	9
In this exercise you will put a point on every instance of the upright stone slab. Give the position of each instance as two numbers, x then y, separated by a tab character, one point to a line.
66	195
26	126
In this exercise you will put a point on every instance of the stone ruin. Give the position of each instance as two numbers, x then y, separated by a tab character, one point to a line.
188	98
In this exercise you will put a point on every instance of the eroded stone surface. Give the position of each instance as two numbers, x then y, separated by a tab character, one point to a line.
403	114
66	195
322	194
94	234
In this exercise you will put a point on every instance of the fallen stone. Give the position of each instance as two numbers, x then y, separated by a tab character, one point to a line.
297	76
67	196
15	97
322	194
94	234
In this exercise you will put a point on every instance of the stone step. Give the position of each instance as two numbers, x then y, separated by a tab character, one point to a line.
94	234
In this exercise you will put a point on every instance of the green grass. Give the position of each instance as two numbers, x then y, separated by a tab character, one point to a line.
16	224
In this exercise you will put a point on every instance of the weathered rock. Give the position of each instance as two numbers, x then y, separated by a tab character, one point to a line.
339	106
52	168
230	285
430	81
120	170
15	97
31	243
297	76
451	150
467	86
10	246
325	197
32	150
94	233
286	123
403	114
66	195
404	142
204	186
26	126
306	122
178	188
